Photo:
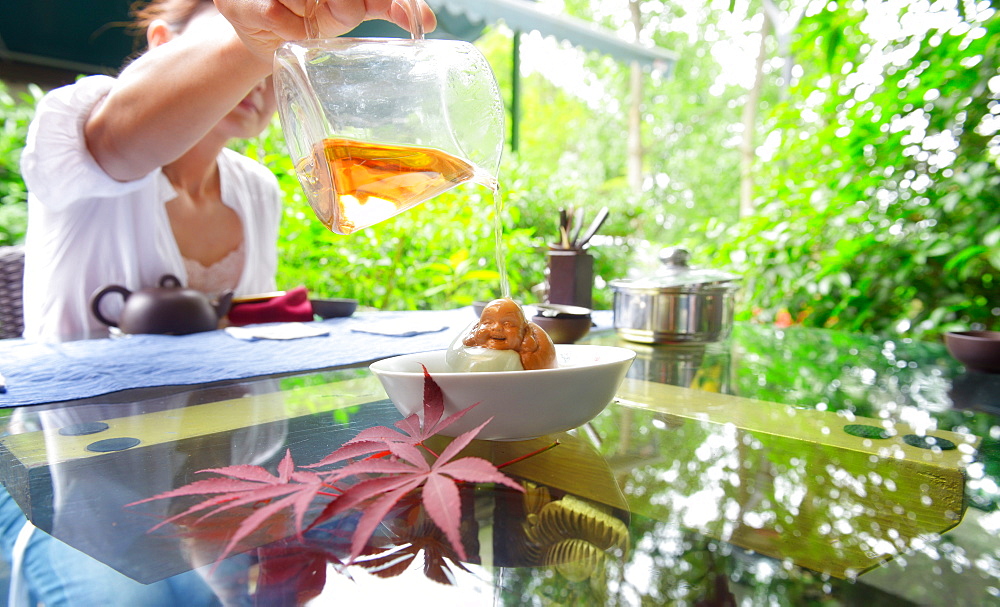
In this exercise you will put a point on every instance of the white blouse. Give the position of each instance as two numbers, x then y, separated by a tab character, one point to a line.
86	230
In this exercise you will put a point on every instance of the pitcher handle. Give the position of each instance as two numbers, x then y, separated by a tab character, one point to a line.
312	27
416	20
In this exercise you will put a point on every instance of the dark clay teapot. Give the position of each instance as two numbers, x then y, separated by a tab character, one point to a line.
167	309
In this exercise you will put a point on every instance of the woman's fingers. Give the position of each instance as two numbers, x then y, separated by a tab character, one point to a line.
341	16
399	13
264	24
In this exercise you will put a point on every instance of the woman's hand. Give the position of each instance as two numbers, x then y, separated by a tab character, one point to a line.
264	25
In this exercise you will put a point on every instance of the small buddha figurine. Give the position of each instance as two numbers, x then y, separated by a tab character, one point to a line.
502	340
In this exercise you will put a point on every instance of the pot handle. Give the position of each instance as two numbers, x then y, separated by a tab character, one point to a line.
95	302
675	257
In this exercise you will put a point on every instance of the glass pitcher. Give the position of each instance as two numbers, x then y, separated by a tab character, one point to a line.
378	125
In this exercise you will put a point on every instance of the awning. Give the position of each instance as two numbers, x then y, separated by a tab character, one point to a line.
522	16
74	36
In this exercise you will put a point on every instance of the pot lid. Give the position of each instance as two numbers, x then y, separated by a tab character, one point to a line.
675	272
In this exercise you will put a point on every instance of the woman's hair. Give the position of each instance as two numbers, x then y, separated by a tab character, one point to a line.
177	14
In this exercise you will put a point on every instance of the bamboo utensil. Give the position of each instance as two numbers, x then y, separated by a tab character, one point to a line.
572	236
595	225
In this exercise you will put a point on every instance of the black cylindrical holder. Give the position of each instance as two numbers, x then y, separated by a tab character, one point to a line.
571	277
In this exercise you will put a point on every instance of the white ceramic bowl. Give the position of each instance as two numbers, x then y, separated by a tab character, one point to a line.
523	404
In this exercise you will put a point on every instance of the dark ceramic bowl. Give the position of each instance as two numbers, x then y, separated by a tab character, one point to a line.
977	350
564	329
333	308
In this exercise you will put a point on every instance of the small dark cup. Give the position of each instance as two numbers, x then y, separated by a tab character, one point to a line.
977	350
564	329
334	308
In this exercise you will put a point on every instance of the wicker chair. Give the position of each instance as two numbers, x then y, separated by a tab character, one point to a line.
11	279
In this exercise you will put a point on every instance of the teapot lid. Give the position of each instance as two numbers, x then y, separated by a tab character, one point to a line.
675	272
169	281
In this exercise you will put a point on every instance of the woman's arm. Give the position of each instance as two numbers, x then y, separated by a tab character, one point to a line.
170	98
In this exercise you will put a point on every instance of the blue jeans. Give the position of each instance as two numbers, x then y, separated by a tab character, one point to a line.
58	575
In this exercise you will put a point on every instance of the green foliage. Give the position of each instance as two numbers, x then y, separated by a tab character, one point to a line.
16	111
878	212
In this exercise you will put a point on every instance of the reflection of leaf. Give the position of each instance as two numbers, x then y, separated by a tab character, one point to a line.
291	567
439	556
390	563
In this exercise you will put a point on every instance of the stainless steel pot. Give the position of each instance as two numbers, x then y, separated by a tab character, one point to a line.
679	304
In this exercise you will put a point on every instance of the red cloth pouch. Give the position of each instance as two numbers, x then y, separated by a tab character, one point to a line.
293	306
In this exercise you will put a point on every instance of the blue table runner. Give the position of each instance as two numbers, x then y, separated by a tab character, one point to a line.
44	373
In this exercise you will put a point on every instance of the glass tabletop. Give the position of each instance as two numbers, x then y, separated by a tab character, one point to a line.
780	466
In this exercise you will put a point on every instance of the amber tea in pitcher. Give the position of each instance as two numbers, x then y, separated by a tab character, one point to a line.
354	184
378	125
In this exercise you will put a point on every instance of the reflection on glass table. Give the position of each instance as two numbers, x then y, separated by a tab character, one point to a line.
786	466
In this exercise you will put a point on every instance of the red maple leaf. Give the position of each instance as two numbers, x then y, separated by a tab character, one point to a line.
439	556
290	574
408	471
375	440
393	465
245	485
